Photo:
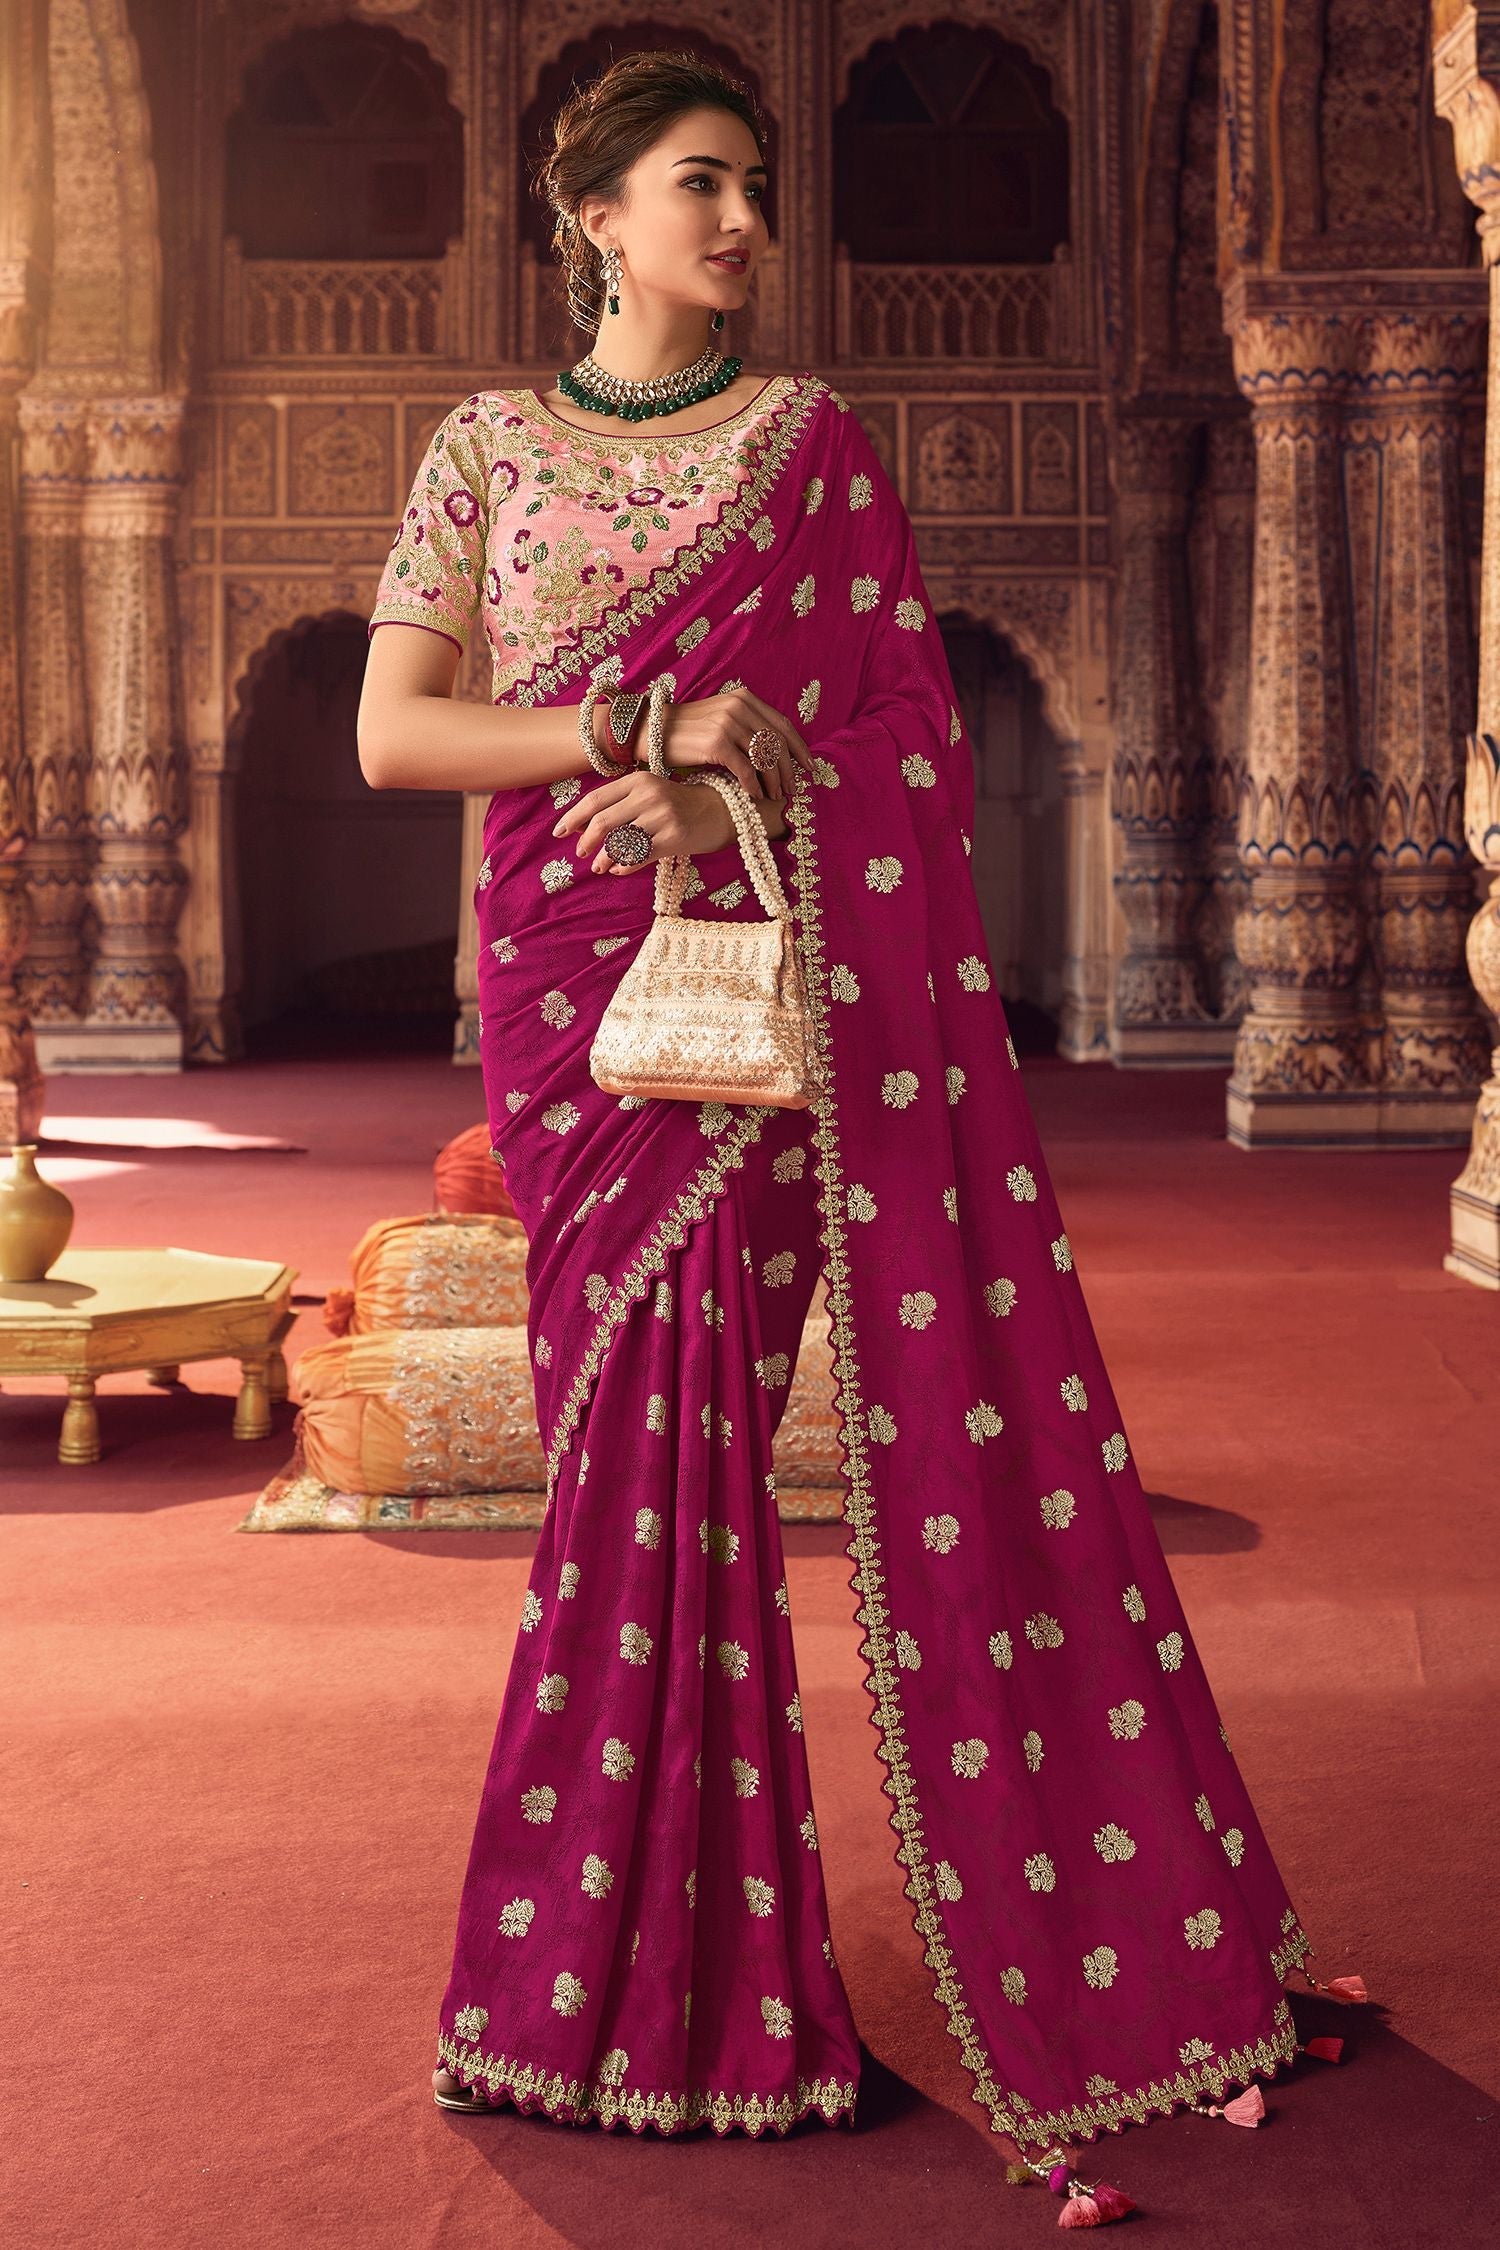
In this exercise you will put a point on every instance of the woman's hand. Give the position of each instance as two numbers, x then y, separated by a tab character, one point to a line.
716	731
681	820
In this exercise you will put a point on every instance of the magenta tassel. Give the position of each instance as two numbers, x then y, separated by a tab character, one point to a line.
1095	2207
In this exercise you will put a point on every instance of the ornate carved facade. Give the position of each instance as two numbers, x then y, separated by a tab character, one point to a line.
1188	417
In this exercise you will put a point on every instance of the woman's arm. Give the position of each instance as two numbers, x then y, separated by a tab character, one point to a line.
412	735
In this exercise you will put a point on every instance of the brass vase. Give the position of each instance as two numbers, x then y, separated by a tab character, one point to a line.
36	1219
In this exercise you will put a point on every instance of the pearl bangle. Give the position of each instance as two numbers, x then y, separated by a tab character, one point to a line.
606	675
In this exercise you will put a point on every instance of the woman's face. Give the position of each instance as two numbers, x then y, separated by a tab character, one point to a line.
698	191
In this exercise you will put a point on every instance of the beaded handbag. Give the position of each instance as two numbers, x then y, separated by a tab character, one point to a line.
713	1011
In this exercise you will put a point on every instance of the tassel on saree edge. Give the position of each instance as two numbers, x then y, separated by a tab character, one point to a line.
1096	2205
1338	1988
1087	2205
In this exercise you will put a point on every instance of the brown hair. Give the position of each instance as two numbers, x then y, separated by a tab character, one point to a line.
600	131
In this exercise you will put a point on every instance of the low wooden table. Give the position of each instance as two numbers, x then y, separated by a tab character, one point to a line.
108	1312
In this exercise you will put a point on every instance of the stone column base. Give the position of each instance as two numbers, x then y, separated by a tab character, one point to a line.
1475	1234
215	1035
71	1049
1365	1117
466	1033
1082	1031
1173	1046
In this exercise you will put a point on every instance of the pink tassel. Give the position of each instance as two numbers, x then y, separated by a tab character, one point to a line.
1340	1988
1326	2050
1095	2207
1246	2109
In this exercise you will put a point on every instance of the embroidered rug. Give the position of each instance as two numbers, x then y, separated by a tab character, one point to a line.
295	1500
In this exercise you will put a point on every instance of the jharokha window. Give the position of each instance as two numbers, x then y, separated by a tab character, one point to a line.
345	146
948	151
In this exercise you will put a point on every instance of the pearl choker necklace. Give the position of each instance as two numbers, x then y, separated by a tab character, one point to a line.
590	386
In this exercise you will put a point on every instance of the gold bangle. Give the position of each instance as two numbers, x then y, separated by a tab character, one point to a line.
607	675
661	695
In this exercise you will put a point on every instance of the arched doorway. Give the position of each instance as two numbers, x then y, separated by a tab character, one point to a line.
347	896
1020	849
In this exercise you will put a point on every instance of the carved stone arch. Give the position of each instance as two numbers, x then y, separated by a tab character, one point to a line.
1244	134
292	612
103	319
1167	73
440	29
292	686
1039	27
1038	621
744	38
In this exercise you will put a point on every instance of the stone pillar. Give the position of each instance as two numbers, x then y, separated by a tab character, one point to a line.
55	720
1301	1057
1083	1026
1475	1197
1161	1013
20	1079
1416	681
1222	554
1466	88
139	774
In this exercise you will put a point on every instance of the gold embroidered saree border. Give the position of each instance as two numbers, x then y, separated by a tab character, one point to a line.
783	433
877	1649
669	1233
1112	2112
1009	2112
578	2099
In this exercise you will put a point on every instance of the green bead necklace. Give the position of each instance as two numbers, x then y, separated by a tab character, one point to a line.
598	392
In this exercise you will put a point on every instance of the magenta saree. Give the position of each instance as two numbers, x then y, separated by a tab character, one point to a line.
643	1935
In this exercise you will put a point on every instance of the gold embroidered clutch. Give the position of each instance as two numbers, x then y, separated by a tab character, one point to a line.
713	1011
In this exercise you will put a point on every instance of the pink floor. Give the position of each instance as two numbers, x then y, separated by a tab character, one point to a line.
239	1774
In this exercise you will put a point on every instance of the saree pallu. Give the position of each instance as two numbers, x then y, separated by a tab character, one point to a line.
643	1934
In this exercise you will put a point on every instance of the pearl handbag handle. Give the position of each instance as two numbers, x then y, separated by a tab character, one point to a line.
755	849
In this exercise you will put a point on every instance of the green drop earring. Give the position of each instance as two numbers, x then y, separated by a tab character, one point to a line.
717	321
612	279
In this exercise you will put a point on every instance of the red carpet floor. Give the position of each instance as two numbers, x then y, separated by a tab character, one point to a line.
239	1775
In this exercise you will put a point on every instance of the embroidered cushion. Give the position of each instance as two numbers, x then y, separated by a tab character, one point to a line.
427	1411
438	1270
421	1411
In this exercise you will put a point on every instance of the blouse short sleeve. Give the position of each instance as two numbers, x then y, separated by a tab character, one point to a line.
434	573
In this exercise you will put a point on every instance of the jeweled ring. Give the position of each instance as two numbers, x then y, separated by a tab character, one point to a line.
627	845
765	747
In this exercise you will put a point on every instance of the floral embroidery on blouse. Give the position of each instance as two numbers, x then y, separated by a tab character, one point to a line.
516	526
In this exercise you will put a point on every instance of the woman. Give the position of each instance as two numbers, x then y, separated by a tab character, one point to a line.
643	1935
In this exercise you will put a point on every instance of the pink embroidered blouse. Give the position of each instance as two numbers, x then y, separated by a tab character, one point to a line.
534	527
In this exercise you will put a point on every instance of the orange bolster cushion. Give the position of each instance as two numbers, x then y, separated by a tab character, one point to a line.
421	1412
434	1271
467	1176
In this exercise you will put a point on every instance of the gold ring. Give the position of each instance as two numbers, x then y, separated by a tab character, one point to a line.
764	749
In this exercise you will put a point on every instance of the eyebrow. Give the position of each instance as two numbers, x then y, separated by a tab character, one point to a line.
718	163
